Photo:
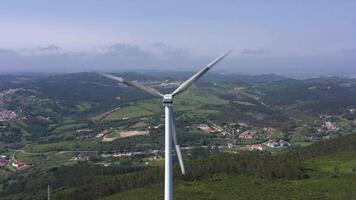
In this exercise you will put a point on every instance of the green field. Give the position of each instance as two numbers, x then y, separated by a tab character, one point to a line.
186	102
136	110
46	160
84	106
70	127
65	146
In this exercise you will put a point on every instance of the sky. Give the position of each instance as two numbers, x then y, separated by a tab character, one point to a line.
295	38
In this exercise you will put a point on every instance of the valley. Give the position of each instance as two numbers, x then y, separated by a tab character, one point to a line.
58	123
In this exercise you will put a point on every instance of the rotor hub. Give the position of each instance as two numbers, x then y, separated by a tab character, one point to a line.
167	99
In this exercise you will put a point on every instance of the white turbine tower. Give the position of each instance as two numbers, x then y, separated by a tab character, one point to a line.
170	129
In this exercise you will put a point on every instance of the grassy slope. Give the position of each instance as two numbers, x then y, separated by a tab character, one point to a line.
239	187
345	162
323	184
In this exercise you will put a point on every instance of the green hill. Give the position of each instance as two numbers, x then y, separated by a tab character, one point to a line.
330	166
325	170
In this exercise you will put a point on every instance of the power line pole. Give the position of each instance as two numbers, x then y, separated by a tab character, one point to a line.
48	193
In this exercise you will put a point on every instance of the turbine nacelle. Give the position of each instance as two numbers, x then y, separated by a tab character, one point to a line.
167	99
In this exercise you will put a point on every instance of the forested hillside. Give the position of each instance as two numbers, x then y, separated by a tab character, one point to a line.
265	169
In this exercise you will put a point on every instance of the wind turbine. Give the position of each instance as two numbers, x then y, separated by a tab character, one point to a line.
170	129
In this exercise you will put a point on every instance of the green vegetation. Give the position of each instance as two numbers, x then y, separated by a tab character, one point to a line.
46	160
51	110
84	106
344	161
226	187
133	111
67	127
65	146
323	183
326	175
189	101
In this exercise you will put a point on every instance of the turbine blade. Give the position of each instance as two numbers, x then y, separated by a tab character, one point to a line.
184	86
139	86
177	147
180	159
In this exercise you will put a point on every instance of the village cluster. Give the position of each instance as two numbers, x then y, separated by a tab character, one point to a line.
6	115
13	163
242	132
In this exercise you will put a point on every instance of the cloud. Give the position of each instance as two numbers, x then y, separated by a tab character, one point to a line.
118	56
51	47
123	57
348	51
162	48
353	22
8	52
123	50
41	50
255	51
